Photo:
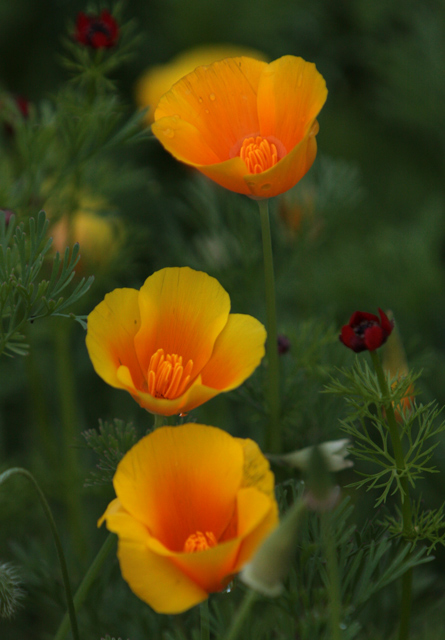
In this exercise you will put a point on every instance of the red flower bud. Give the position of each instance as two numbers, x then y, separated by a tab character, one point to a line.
283	344
365	331
97	32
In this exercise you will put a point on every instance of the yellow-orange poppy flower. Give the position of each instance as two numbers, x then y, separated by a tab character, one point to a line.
193	504
159	79
174	344
248	125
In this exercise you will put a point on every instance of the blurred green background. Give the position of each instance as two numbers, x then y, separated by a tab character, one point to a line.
366	230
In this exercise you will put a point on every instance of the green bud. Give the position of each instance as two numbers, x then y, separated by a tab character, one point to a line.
268	568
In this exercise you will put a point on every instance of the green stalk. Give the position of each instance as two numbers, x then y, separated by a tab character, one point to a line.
68	411
86	583
405	497
241	616
273	441
65	576
334	581
160	421
205	621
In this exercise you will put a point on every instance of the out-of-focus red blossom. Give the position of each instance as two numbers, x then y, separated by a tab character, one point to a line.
97	32
283	344
366	331
8	215
23	105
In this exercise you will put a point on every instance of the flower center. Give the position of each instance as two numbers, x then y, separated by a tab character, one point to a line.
200	541
259	154
167	378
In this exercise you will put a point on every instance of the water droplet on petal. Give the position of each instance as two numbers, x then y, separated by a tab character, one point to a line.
200	100
207	111
212	97
266	187
229	588
169	133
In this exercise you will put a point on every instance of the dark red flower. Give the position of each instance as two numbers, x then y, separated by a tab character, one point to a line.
365	331
97	32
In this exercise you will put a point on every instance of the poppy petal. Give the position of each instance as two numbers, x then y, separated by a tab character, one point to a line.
238	351
256	469
169	590
146	482
182	311
291	93
112	327
287	172
219	99
184	141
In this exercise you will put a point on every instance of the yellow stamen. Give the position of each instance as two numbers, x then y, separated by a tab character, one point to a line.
259	154
167	378
200	541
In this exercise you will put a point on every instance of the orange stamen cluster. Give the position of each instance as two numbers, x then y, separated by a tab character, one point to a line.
167	378
259	154
200	541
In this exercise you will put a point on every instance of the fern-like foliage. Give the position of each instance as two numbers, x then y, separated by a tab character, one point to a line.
110	444
26	296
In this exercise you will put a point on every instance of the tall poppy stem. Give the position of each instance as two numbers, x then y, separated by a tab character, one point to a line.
205	621
273	441
241	616
404	498
70	430
63	566
84	587
159	421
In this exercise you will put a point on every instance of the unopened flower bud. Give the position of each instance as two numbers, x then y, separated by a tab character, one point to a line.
334	451
321	494
269	567
97	32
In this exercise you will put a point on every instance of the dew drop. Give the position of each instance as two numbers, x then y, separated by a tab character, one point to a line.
229	588
212	97
200	100
266	187
207	111
169	133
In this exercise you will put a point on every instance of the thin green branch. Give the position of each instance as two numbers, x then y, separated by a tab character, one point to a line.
66	581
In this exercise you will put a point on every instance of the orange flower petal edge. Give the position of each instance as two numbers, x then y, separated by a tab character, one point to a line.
173	345
193	505
248	125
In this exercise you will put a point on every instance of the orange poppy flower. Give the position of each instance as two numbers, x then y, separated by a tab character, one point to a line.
248	125
174	344
193	504
158	80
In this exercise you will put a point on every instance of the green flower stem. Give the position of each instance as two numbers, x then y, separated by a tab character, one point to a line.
333	576
84	587
66	581
396	444
241	616
160	421
46	440
274	432
68	410
205	622
405	498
